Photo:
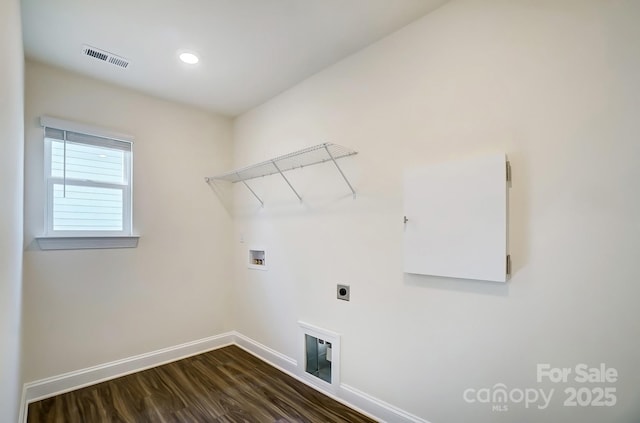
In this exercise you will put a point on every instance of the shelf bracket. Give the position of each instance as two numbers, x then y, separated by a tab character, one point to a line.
340	170
209	180
286	180
253	192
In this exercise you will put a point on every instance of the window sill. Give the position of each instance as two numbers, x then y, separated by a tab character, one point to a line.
87	242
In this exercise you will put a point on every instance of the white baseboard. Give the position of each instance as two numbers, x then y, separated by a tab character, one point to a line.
377	408
358	400
351	397
273	357
56	385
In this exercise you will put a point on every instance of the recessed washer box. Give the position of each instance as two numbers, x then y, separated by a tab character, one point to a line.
258	259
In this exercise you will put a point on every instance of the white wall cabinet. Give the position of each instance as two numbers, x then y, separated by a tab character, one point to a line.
456	219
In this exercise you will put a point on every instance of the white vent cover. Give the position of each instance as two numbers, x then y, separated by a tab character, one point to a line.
105	56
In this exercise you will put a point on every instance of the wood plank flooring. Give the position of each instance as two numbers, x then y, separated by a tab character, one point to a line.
227	385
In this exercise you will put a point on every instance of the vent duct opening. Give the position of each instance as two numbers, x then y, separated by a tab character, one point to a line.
105	56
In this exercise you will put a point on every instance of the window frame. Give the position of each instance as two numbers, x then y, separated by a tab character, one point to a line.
79	239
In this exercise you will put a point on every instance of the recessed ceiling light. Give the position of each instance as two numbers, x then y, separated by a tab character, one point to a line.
189	58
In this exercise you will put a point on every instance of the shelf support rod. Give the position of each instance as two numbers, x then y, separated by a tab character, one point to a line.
286	180
340	170
252	191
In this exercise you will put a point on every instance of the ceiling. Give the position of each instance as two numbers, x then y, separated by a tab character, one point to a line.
250	50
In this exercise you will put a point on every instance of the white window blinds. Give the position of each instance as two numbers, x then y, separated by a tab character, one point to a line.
88	183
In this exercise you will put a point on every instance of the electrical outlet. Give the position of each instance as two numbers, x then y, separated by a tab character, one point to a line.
343	292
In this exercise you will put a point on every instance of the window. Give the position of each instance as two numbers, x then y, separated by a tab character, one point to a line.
88	182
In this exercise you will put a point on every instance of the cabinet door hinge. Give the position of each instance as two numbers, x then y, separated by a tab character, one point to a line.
508	265
508	171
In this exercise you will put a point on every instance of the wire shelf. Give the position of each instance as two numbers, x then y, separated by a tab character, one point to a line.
298	159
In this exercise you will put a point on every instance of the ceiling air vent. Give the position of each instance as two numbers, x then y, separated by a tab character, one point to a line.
105	56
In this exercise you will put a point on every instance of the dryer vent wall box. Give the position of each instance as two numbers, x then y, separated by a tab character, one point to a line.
455	219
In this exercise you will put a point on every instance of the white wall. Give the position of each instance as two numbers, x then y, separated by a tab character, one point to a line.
11	207
555	85
89	307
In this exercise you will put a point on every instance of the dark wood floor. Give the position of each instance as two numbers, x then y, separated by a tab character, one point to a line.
227	385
